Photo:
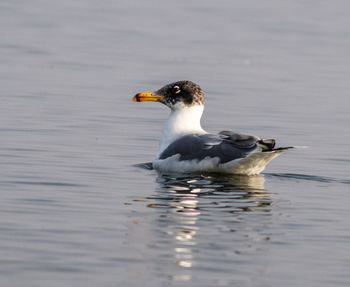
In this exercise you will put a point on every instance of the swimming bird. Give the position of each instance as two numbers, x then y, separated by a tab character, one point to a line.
185	147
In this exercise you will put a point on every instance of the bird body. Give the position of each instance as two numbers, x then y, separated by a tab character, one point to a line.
185	147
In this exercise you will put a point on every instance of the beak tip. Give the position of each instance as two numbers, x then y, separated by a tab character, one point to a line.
136	98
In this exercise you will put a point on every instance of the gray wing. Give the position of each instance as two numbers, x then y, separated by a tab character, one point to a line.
226	146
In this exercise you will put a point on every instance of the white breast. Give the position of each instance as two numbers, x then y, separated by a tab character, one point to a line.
182	120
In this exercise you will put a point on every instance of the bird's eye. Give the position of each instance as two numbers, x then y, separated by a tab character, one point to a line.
176	89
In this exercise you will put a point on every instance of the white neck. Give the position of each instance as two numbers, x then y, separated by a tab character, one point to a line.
181	121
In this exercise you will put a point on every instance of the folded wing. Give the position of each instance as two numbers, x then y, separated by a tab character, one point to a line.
226	146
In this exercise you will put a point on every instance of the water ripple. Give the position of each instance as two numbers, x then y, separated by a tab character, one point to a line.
185	206
308	177
43	183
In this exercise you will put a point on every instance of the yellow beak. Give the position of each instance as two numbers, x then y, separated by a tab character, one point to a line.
150	96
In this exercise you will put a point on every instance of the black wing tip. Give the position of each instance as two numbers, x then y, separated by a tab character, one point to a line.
283	148
279	149
267	144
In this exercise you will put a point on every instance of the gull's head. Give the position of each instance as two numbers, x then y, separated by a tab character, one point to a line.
176	95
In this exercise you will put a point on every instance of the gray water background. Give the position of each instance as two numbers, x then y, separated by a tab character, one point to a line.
77	210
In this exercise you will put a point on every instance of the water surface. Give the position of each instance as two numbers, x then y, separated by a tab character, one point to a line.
76	207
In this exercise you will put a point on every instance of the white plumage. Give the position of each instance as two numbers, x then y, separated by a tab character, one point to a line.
182	120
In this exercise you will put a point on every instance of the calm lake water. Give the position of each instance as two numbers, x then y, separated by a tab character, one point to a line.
78	209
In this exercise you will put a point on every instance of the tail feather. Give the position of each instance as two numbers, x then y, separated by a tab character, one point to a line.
255	162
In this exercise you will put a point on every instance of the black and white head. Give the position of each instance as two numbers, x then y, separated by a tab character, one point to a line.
176	95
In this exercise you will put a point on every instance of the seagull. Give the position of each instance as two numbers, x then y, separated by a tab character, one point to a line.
185	147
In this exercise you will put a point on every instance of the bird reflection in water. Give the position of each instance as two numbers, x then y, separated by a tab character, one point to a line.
196	210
